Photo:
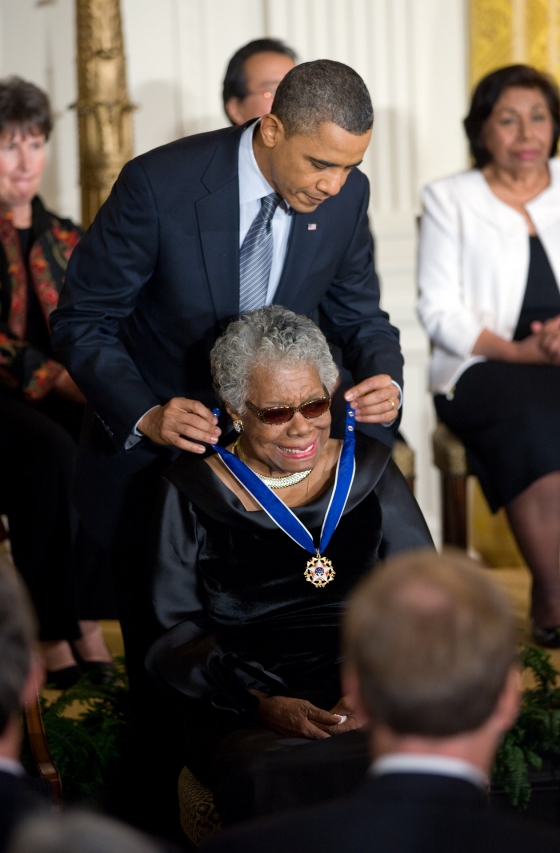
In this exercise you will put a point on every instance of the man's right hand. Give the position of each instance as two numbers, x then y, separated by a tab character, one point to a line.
178	421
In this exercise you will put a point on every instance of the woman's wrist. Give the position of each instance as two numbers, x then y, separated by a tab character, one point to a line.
494	347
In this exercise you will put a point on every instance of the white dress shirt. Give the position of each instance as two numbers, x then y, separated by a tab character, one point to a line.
436	765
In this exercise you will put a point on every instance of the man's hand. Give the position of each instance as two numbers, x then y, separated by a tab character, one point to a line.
375	400
178	421
548	334
64	386
294	717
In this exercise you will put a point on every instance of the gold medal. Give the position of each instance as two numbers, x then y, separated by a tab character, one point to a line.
319	571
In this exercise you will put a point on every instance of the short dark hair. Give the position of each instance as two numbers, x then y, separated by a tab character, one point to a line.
487	93
432	640
17	636
235	81
24	107
320	91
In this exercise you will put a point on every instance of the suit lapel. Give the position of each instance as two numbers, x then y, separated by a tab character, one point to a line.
218	222
303	246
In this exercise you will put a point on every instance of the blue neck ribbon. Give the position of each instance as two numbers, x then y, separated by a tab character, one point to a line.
281	514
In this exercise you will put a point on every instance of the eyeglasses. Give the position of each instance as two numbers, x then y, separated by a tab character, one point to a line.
262	93
276	415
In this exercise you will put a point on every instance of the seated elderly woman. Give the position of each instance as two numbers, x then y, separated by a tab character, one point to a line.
489	275
258	545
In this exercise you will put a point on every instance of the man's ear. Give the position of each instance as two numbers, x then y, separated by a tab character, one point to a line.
507	707
233	111
272	130
351	689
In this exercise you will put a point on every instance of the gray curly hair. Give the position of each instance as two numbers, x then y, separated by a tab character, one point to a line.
264	337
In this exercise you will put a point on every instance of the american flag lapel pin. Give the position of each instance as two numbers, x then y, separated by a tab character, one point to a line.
311	226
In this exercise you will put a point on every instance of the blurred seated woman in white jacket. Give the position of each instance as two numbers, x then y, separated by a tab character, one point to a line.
489	270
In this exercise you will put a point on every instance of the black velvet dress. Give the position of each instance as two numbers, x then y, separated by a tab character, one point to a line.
230	591
508	415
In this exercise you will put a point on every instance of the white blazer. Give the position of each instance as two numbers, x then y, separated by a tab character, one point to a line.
473	264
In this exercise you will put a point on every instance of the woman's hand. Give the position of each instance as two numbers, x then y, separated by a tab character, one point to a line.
294	717
65	386
527	351
548	334
530	351
344	709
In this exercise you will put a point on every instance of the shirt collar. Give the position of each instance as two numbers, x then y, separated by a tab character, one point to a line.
252	183
10	765
439	765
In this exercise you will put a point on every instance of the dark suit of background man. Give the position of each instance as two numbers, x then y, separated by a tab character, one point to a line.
156	280
430	647
19	673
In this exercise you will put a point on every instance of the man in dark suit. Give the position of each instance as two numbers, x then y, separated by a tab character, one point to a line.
430	651
167	264
19	671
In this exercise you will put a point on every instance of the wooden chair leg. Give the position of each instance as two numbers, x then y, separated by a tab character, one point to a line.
454	510
40	747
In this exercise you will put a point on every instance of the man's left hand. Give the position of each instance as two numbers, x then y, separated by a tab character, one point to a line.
375	400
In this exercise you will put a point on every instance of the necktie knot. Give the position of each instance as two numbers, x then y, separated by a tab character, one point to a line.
268	206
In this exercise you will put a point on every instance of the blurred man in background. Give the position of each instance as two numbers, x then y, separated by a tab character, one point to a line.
252	77
430	649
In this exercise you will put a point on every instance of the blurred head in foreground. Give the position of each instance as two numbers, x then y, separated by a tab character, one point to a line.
79	832
430	650
19	670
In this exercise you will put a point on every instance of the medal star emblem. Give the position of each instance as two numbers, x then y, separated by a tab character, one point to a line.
319	572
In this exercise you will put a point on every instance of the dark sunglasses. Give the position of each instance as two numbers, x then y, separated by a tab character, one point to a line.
276	415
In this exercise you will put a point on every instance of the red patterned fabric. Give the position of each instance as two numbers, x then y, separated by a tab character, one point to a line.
17	317
22	365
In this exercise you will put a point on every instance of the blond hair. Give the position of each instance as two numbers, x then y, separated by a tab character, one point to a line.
432	640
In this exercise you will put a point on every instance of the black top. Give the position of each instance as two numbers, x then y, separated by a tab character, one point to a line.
542	297
37	331
238	571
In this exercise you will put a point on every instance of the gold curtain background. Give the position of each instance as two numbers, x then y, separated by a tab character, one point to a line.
503	32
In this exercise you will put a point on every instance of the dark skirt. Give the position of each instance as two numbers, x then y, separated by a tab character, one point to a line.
508	417
66	573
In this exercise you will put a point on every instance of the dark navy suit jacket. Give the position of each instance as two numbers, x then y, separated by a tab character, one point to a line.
155	281
396	813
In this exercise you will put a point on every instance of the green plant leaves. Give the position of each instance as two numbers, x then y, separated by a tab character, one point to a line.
536	734
88	733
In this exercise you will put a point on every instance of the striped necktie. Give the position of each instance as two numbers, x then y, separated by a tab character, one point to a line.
255	257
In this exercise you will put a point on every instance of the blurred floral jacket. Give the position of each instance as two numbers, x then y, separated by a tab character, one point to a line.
28	369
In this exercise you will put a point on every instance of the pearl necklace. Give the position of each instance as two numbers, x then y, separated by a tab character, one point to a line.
273	482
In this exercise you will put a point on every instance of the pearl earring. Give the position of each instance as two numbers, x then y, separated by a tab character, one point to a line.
238	426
